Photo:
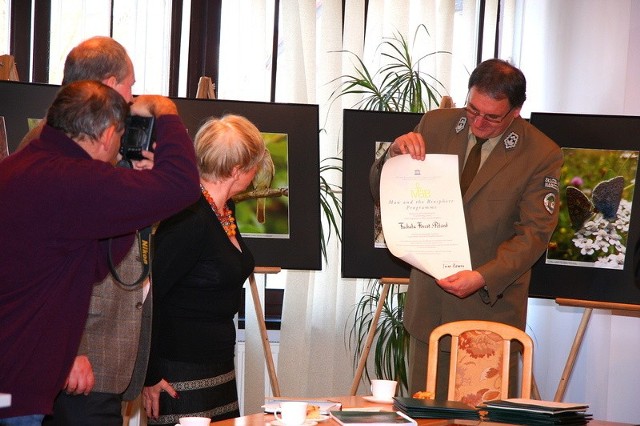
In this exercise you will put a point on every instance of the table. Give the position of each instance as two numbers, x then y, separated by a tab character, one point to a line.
261	419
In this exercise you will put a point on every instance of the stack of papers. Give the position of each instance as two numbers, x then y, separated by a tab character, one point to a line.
435	409
534	412
371	418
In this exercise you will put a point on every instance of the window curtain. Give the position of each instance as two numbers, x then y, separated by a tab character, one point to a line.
564	59
313	357
582	57
142	27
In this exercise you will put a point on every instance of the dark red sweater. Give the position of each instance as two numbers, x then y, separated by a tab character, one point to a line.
58	207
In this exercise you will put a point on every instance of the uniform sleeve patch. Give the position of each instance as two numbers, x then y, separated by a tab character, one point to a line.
550	202
551	183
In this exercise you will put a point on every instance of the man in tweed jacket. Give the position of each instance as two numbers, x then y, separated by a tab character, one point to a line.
510	210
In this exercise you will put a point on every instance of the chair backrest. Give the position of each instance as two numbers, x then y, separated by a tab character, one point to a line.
480	359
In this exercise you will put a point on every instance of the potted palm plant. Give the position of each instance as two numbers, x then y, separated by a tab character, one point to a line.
401	86
330	202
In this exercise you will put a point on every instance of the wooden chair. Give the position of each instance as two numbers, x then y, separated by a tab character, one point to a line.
479	366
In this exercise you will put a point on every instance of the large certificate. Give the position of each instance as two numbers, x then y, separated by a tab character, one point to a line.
422	214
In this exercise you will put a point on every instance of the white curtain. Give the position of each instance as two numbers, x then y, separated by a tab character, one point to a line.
313	359
142	27
582	56
578	55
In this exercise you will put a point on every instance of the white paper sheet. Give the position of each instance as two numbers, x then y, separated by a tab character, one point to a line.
422	213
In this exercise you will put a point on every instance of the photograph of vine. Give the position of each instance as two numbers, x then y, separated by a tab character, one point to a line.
596	194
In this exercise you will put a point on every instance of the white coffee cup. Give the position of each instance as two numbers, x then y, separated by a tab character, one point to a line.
383	389
291	413
194	421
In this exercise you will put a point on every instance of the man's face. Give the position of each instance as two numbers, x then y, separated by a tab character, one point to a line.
124	87
489	117
114	150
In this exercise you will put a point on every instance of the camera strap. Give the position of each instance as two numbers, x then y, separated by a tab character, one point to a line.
144	246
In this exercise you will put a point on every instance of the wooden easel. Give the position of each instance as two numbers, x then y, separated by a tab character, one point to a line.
206	88
386	284
268	356
8	70
577	341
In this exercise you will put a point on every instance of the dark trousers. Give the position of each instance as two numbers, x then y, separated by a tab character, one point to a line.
97	408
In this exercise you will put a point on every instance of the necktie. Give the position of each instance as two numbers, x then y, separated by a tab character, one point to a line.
471	166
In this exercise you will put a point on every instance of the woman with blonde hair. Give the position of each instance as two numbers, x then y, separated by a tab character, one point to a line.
200	264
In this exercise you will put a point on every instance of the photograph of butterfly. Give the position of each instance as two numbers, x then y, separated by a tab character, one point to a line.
596	193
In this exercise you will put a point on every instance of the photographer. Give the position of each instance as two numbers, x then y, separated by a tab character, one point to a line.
112	359
62	201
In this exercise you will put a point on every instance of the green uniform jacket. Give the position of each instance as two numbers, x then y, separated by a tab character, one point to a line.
511	210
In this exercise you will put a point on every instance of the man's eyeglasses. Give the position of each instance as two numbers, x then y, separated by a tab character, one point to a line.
491	118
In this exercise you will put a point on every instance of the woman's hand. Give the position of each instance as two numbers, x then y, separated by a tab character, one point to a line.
151	397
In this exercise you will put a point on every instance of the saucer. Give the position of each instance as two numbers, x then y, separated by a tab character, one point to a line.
306	423
320	418
372	398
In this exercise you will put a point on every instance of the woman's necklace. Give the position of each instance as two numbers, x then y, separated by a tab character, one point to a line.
225	216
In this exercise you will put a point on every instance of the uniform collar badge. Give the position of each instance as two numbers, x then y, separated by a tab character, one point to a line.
461	124
511	141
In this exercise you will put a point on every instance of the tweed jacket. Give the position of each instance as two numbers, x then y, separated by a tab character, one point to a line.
510	212
117	334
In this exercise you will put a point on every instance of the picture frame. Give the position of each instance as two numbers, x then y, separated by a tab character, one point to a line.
362	130
300	122
552	279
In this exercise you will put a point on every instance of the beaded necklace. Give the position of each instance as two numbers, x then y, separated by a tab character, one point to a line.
225	216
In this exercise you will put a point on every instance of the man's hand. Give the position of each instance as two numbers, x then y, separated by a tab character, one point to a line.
409	143
147	163
153	105
80	379
462	284
151	397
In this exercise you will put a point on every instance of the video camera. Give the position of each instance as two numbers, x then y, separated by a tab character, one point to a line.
138	136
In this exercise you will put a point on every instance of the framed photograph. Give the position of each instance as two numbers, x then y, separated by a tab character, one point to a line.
29	104
366	134
288	235
593	252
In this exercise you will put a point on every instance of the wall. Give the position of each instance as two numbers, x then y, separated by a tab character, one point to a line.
583	56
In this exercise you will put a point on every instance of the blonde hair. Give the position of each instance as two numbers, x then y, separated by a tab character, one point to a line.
224	143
